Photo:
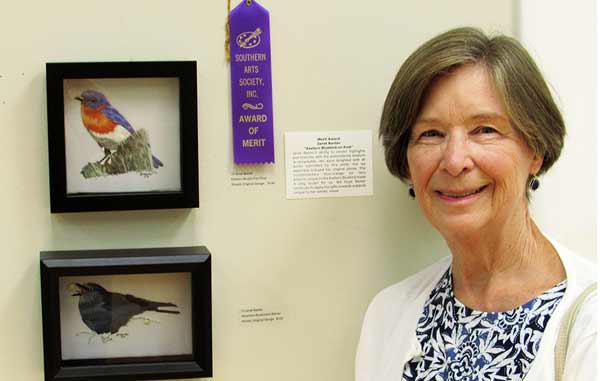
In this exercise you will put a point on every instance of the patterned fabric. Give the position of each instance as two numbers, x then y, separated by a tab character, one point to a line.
460	343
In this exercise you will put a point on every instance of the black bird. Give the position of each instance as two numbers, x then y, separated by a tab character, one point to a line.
106	312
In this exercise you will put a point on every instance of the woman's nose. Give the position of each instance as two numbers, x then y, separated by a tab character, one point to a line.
456	155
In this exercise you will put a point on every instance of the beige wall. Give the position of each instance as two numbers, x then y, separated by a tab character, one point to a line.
564	41
319	262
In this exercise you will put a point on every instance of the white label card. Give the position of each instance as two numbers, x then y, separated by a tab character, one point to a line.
329	164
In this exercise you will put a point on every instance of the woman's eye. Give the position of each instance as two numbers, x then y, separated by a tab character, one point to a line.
431	134
485	130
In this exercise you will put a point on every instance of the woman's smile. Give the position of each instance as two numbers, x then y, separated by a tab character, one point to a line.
463	195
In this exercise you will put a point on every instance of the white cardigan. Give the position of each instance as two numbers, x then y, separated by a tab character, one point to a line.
388	339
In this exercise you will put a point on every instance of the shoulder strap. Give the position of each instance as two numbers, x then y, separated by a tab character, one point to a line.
562	342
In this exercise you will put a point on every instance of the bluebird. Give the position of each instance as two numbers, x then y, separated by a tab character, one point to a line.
105	312
105	123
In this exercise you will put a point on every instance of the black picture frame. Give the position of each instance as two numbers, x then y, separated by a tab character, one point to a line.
194	260
187	197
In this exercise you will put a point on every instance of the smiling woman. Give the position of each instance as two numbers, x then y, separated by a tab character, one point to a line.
469	123
468	165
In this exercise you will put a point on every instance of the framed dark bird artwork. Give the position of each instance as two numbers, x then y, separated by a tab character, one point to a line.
108	313
127	313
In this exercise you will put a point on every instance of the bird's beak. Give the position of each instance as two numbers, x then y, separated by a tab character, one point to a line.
77	289
80	99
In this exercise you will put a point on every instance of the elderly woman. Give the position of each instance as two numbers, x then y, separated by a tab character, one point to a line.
469	124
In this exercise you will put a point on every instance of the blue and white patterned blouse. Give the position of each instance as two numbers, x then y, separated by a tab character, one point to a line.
459	343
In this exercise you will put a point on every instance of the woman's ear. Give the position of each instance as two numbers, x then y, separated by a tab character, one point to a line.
536	164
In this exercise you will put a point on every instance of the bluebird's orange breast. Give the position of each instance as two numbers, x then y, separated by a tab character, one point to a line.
96	121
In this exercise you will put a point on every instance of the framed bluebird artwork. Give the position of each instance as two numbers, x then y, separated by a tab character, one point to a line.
122	135
127	314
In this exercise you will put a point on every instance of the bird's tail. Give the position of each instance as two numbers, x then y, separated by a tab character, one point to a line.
156	163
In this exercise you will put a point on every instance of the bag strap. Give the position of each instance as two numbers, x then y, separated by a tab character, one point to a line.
562	342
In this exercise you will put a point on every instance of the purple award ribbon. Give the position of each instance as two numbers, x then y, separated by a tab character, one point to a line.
251	90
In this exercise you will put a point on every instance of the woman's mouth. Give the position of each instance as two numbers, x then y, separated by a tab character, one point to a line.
459	195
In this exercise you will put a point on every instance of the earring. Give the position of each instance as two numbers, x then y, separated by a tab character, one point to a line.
411	192
534	183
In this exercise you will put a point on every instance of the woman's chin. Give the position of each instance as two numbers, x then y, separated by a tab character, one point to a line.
463	225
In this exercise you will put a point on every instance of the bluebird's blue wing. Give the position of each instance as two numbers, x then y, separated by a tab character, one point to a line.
114	115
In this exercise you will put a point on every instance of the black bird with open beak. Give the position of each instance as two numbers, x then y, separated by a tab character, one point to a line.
106	312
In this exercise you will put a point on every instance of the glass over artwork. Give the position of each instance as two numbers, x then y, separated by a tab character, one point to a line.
122	135
133	315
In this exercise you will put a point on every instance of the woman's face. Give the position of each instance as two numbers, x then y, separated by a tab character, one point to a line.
469	166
